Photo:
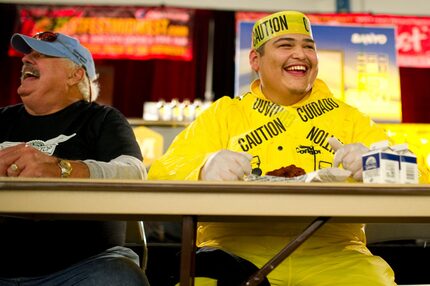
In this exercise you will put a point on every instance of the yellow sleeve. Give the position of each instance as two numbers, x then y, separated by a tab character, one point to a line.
367	131
360	128
189	150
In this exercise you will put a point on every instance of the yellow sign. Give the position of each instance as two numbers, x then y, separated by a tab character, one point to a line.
150	143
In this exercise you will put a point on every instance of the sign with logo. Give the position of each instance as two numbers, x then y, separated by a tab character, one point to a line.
369	77
120	32
412	33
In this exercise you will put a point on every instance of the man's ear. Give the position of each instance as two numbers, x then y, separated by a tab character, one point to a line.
76	76
254	60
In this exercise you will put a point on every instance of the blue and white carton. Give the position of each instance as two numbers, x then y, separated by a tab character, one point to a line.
381	164
408	164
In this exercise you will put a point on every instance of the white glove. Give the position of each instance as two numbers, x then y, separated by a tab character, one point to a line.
350	157
226	165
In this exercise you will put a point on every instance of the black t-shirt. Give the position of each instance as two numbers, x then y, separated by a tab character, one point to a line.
80	131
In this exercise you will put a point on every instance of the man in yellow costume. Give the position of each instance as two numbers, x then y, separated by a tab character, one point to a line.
286	118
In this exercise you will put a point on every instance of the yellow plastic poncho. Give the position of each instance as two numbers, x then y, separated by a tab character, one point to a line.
278	136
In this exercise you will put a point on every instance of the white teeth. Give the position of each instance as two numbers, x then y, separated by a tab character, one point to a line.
297	68
33	73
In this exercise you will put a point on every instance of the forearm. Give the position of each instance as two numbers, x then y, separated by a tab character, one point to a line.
122	167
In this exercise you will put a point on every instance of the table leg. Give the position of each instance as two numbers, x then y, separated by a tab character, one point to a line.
188	250
257	277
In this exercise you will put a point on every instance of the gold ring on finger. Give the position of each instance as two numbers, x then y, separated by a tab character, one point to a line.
14	167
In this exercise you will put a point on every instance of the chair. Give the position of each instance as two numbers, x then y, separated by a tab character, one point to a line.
227	268
231	270
135	239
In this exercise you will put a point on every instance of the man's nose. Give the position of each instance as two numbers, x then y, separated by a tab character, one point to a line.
30	57
299	53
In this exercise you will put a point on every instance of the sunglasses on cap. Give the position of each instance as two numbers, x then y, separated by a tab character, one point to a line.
50	37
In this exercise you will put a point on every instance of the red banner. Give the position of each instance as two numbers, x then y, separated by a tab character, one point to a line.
117	32
412	33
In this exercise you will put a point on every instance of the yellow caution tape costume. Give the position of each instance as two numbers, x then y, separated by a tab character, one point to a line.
278	136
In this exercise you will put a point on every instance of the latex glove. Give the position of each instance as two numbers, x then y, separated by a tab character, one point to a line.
349	156
226	165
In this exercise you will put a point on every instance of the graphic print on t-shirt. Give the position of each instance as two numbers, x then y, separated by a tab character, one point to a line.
47	146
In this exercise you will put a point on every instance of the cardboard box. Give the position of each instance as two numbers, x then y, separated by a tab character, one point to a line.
408	164
381	164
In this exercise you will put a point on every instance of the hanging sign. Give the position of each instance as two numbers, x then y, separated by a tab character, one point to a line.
412	33
119	32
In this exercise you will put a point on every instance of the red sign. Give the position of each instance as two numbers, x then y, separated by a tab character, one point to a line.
117	32
412	33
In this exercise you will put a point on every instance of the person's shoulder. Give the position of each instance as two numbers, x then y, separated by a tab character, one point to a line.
348	108
231	102
225	100
12	109
97	113
324	92
223	106
99	108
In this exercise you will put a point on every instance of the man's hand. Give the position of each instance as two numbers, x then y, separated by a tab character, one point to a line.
349	156
25	161
226	165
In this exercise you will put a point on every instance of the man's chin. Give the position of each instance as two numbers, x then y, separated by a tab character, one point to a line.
302	88
22	92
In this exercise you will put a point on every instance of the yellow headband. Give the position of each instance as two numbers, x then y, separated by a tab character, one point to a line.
280	23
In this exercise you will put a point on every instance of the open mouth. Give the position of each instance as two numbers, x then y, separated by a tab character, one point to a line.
29	73
296	68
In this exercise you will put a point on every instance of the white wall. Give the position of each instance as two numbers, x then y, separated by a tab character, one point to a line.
401	7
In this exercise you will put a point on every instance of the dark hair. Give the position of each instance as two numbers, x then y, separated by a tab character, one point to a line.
260	49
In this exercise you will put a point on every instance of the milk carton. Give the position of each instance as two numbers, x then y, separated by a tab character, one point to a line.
408	164
381	164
